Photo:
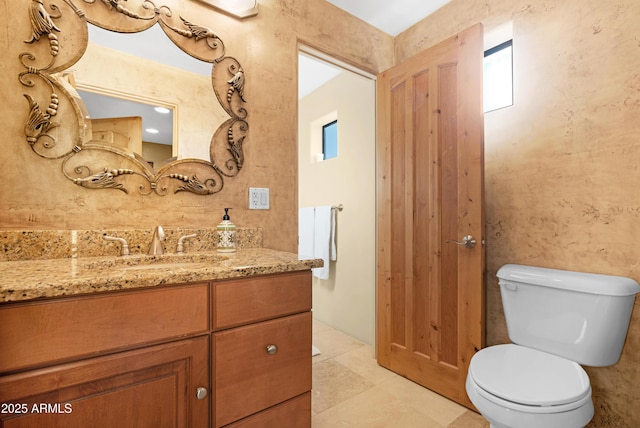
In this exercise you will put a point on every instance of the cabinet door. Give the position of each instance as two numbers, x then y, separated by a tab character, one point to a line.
150	387
251	375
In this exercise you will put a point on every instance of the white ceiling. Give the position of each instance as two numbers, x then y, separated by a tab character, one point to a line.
392	17
313	73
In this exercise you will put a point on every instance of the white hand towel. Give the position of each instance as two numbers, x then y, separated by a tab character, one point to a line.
322	240
305	232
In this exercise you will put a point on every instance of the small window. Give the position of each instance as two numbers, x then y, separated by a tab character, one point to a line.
498	76
330	140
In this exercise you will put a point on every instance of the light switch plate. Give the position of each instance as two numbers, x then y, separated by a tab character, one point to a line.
258	198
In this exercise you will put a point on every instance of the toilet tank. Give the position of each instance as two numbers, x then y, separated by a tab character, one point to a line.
580	316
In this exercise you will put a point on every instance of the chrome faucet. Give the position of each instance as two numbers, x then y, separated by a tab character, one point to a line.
125	245
156	243
180	248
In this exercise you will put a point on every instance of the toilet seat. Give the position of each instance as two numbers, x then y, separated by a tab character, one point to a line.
529	378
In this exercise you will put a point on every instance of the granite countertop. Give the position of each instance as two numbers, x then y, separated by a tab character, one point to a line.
34	279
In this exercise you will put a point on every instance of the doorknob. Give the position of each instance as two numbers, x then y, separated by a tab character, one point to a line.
468	241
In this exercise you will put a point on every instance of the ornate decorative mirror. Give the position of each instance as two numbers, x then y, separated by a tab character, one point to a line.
90	157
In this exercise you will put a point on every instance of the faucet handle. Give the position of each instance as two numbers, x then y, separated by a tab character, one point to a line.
180	248
125	245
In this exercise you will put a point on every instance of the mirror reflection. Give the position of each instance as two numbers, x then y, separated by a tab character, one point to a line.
63	66
150	62
135	127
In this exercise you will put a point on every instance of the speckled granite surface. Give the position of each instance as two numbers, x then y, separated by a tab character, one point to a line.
56	244
33	279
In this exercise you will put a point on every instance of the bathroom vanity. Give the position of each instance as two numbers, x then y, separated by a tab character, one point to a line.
224	343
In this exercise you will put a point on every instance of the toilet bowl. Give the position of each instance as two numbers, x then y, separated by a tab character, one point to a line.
514	386
557	320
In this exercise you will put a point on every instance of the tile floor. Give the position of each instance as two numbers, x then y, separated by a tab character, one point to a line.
351	390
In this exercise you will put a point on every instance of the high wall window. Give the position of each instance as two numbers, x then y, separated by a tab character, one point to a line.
330	140
498	76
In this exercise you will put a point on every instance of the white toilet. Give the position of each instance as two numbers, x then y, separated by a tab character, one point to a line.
557	320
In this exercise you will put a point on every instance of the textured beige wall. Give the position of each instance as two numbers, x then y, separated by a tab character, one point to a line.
35	195
562	163
346	300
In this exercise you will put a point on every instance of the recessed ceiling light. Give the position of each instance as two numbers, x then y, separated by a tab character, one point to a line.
162	110
152	130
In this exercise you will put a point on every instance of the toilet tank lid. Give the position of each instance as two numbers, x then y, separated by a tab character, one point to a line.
608	285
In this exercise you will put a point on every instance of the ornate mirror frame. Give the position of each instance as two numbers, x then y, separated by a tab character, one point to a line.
59	38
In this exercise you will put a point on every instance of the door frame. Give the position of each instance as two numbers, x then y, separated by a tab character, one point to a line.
333	58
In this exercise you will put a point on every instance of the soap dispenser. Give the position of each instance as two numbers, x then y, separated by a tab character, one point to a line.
226	234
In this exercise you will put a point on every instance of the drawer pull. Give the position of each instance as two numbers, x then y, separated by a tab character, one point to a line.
201	393
272	349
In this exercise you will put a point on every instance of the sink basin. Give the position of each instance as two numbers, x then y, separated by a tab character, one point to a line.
161	266
164	261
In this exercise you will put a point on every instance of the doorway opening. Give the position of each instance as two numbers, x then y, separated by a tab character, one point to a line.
331	91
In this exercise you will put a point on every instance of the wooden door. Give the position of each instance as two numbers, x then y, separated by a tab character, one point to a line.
430	191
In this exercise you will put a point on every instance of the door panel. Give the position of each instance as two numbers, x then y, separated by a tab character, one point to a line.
149	387
430	195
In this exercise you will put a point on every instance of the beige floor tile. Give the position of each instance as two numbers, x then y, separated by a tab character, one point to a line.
333	383
332	343
439	408
470	420
319	326
350	390
361	361
373	408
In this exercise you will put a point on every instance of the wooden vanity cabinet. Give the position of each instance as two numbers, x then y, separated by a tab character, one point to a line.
261	347
233	353
128	359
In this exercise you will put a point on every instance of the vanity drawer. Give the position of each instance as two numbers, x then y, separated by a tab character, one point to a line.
294	413
48	332
243	301
249	379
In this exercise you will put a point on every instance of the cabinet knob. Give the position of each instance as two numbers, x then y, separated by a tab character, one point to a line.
201	393
272	349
